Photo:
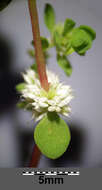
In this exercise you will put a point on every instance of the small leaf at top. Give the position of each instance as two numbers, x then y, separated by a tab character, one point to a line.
52	136
4	4
80	41
49	17
64	64
68	26
89	30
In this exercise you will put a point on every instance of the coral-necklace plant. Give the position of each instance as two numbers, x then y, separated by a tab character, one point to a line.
42	93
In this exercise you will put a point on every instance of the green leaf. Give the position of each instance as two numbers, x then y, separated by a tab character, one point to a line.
34	67
20	87
45	43
80	41
32	43
52	136
49	17
4	4
70	51
57	39
59	28
89	30
22	105
25	105
68	26
31	53
62	43
64	64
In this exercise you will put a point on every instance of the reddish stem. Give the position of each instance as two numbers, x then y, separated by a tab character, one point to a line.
35	157
40	60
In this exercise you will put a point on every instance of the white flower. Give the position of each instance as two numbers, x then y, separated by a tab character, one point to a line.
40	102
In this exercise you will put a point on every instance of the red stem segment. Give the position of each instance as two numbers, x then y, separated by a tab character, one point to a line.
35	157
40	60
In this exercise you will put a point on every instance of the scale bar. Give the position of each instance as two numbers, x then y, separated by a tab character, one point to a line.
50	173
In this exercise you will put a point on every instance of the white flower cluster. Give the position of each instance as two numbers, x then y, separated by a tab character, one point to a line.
55	100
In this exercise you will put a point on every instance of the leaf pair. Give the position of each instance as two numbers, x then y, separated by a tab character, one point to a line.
45	47
81	39
67	39
44	42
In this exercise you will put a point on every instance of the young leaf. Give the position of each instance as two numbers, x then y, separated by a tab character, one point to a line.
34	67
52	136
20	87
57	39
22	105
64	64
31	53
83	50
70	51
49	17
89	30
80	41
45	43
59	28
68	26
4	4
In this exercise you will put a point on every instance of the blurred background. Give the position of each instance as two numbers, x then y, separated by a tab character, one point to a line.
16	127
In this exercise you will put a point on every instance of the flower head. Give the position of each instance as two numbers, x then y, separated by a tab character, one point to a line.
39	101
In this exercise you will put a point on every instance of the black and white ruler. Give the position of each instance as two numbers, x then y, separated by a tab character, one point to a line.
51	173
